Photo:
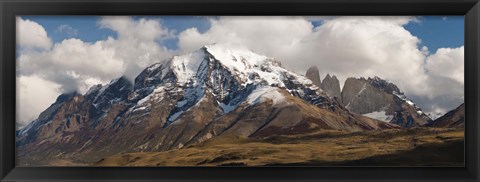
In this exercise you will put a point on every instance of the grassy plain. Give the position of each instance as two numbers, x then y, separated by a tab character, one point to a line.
395	147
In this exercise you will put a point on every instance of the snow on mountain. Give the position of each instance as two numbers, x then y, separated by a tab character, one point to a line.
262	94
239	59
371	96
174	116
452	119
229	73
389	87
94	89
226	108
216	90
379	115
186	66
435	115
143	104
253	68
45	117
402	96
26	128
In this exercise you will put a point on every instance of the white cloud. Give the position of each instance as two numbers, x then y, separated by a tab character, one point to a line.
345	46
146	30
447	62
75	65
137	44
67	29
34	95
71	62
31	35
445	80
264	34
367	46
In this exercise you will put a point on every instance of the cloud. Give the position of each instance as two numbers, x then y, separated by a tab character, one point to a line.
71	62
67	29
31	35
34	95
448	63
145	30
138	42
344	46
75	65
445	80
253	32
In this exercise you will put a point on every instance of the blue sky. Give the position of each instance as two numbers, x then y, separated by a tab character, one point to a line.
89	31
439	31
434	31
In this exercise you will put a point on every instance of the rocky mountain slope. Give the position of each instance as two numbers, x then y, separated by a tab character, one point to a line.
331	86
214	91
453	119
374	98
383	100
314	75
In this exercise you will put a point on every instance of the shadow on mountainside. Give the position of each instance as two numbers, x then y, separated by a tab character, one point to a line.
433	154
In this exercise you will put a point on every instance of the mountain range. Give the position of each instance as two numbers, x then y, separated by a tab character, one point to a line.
376	98
453	119
213	92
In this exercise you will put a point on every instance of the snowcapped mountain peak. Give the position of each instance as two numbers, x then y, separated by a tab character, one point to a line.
174	102
187	65
229	73
243	65
252	68
236	57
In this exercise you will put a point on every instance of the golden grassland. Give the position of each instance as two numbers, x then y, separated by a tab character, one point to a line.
395	147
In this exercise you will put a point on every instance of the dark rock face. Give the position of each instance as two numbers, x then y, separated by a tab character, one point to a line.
116	91
359	96
184	101
314	75
331	86
38	129
453	119
364	96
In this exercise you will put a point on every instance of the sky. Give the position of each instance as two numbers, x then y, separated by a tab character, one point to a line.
423	56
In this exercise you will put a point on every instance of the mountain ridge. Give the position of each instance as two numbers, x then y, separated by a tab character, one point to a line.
379	98
191	98
452	119
374	97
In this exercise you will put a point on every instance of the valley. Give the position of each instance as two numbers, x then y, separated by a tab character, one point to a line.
412	147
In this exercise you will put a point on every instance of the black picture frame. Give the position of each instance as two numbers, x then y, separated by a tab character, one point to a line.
11	8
